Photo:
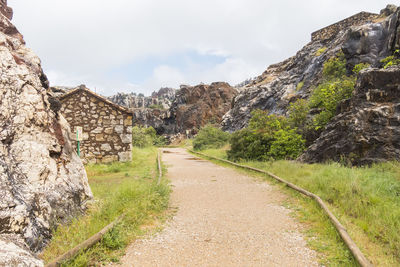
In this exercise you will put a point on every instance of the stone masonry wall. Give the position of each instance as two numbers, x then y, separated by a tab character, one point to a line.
331	31
107	130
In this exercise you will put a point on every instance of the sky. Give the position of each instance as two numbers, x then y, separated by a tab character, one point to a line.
143	45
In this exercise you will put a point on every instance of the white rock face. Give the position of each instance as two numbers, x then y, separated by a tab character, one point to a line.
42	180
13	255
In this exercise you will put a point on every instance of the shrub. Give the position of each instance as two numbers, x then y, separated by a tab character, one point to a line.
327	96
335	68
321	51
390	61
287	144
359	67
246	145
298	112
145	137
265	135
299	86
210	137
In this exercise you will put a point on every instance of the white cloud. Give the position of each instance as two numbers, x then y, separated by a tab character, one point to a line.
165	76
86	39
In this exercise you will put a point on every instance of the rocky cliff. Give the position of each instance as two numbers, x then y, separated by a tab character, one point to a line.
195	106
367	127
42	180
180	111
161	99
295	77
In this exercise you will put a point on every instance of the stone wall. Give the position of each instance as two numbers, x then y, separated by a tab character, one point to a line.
331	31
107	128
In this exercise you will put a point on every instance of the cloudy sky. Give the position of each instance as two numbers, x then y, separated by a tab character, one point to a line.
142	45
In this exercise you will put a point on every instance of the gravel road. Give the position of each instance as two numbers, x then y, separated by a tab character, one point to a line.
224	218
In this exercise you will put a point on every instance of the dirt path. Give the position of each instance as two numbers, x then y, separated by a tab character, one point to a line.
224	218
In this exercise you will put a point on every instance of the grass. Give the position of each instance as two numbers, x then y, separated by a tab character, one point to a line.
366	200
118	188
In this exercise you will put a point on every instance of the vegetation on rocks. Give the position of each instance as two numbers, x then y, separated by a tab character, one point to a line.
118	188
392	60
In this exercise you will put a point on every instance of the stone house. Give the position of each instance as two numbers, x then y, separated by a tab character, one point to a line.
107	127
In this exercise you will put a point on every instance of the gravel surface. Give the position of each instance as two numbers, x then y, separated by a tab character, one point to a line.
224	218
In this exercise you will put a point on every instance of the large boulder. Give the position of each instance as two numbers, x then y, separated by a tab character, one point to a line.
367	127
42	180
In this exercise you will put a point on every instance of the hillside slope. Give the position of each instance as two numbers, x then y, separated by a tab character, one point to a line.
361	37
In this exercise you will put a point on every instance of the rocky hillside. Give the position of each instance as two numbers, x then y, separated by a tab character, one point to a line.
42	180
295	77
367	127
162	99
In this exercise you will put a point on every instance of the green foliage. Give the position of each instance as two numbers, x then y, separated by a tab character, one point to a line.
210	137
247	144
335	68
159	106
391	60
359	67
267	136
146	137
298	112
320	51
299	86
327	96
287	144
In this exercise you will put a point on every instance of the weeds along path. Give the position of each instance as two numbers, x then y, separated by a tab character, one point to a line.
224	218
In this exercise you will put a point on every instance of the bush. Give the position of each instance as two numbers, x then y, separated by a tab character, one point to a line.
247	145
145	137
327	96
268	136
321	51
299	86
359	67
210	137
335	68
298	112
287	144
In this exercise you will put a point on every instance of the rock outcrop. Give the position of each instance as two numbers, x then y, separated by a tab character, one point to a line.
295	77
195	106
161	99
367	128
42	180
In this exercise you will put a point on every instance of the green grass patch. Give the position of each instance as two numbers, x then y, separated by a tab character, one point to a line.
118	188
366	200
